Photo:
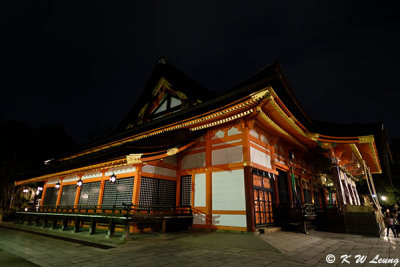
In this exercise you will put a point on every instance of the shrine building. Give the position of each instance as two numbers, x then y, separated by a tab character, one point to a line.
243	160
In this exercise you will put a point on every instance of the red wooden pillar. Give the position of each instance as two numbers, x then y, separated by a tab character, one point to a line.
44	192
248	181
59	195
136	185
101	193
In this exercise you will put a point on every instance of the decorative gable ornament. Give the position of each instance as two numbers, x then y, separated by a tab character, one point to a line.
172	151
134	158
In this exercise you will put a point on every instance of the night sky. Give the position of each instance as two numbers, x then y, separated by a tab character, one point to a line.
83	64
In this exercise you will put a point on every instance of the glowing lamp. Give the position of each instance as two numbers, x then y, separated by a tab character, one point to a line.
57	186
25	190
113	178
384	198
79	183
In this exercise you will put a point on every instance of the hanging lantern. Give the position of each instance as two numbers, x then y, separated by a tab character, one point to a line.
113	178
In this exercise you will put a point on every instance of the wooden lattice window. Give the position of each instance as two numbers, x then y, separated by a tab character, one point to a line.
118	193
68	194
50	196
157	192
89	193
186	190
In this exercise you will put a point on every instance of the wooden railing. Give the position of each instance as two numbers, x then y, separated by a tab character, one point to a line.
112	209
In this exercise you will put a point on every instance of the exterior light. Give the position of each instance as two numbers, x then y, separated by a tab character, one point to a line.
26	209
373	195
40	188
79	183
384	198
57	185
26	190
113	178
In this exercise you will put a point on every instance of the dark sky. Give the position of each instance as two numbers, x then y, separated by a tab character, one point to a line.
82	64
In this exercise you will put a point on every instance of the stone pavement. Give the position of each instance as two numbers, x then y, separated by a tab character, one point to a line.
197	248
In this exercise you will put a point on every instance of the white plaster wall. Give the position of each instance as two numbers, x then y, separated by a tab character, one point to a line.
70	178
238	220
233	131
159	170
193	161
200	190
228	190
227	155
260	157
253	133
171	160
120	170
53	181
94	174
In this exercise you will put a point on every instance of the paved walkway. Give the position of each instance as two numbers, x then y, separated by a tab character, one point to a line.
190	249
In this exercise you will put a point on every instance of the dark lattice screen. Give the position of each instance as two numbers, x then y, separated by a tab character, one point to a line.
157	192
118	192
186	190
68	195
89	193
148	191
307	196
283	188
50	196
166	192
316	198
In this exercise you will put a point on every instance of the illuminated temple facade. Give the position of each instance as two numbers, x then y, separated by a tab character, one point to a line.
240	160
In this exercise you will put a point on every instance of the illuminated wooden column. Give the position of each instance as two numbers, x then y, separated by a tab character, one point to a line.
101	193
346	188
178	181
356	194
59	195
43	194
341	199
136	185
312	192
77	195
208	179
248	181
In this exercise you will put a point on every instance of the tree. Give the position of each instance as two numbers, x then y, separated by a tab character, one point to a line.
24	149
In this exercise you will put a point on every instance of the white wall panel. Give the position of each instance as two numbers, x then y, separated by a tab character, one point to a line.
227	155
254	133
260	157
89	175
200	190
193	161
159	170
228	190
171	160
120	170
237	220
